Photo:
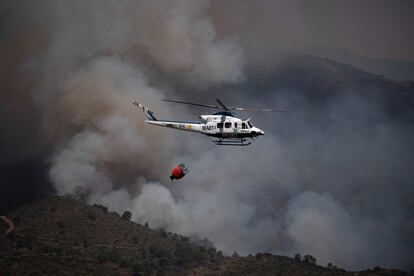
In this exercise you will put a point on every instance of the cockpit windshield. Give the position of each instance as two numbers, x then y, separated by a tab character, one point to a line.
250	124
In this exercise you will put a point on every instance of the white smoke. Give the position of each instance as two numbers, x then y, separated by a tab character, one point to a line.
318	225
304	187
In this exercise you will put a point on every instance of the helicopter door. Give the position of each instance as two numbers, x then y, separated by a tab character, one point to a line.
237	126
244	128
228	129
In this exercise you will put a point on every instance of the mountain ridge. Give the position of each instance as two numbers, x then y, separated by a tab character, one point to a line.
65	236
397	69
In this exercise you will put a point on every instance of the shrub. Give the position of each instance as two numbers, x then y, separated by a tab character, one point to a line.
113	256
309	259
158	252
92	215
164	262
187	253
184	253
212	250
163	233
377	268
61	224
127	215
101	207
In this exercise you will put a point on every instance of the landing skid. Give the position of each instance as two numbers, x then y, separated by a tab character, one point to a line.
231	142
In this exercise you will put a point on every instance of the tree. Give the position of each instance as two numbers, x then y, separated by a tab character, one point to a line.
127	215
92	215
309	259
298	257
163	232
101	207
235	254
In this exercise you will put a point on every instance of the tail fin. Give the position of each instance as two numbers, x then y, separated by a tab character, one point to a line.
147	112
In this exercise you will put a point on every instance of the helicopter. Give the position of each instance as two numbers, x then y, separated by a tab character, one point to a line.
222	126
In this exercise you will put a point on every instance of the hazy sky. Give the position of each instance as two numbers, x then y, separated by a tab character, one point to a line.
377	29
374	28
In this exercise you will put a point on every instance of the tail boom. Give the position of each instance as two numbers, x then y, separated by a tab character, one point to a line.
194	127
152	120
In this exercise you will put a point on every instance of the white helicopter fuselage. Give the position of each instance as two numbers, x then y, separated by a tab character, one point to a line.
216	125
222	125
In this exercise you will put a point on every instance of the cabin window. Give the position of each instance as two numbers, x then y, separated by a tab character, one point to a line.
227	125
219	125
235	125
244	126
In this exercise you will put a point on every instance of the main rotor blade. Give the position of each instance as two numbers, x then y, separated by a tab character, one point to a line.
258	109
248	109
221	104
196	104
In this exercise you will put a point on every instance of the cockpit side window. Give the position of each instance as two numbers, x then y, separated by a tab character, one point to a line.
250	124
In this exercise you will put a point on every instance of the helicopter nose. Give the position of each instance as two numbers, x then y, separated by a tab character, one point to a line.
259	132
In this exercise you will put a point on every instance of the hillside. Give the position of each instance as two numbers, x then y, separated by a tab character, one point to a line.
390	68
303	82
65	236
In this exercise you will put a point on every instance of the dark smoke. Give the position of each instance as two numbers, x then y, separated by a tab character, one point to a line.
332	179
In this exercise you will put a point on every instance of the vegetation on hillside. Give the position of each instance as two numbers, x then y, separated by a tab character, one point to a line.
64	236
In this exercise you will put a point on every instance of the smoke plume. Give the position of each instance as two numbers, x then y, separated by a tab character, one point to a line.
332	179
